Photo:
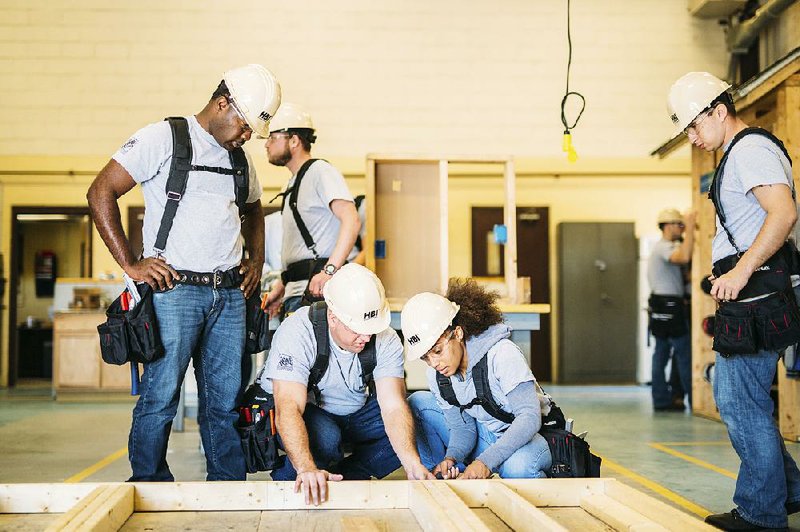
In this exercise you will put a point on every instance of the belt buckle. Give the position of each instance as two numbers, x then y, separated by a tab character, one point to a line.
217	278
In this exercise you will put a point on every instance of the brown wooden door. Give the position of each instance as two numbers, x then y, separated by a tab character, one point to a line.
533	260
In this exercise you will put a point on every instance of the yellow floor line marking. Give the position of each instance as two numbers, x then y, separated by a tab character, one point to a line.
92	469
698	443
693	460
657	488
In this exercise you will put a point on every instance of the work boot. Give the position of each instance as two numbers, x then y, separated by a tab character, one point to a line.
734	521
792	507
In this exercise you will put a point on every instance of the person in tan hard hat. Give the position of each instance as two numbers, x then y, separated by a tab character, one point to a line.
343	351
193	260
668	307
319	217
753	265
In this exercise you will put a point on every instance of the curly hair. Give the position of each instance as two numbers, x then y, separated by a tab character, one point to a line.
479	309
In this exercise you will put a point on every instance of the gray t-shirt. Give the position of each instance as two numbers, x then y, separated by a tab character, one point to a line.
206	232
321	184
665	277
754	161
507	369
342	392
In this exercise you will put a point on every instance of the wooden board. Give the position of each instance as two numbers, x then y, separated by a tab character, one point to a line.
476	505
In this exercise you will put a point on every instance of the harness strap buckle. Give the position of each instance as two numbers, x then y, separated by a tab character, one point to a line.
174	196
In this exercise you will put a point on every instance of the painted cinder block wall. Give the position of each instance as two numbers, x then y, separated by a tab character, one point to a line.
79	77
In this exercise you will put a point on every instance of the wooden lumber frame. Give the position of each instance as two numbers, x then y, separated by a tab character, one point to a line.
443	162
436	505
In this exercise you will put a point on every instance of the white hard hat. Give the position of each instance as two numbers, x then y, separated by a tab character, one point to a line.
669	216
691	95
356	297
423	319
256	93
291	116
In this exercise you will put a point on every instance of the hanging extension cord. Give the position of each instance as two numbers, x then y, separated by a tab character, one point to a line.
567	146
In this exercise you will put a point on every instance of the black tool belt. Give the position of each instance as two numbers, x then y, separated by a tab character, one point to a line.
218	279
745	328
772	276
667	315
303	270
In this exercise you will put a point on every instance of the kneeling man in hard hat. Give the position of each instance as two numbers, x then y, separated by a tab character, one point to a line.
343	351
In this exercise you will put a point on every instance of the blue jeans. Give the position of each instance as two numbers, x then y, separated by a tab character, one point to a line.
372	454
206	325
681	349
529	461
768	476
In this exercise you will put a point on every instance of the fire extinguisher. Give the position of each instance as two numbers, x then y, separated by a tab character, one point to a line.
45	273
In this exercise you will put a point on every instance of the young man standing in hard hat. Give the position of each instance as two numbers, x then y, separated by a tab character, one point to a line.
753	194
669	322
343	351
320	221
198	274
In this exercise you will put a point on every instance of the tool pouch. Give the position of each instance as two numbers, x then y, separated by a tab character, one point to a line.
131	335
771	323
667	316
257	330
257	431
570	454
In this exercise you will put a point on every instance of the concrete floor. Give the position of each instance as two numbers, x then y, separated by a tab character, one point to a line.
684	460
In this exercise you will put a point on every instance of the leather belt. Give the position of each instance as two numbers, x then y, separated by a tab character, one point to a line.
216	279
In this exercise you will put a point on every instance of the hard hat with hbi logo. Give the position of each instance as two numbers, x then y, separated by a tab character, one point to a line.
256	93
291	116
670	216
423	319
356	297
691	95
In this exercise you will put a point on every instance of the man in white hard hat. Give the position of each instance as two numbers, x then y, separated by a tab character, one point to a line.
193	260
340	350
753	193
669	321
320	221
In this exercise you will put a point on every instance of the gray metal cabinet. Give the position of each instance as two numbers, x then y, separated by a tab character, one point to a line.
597	265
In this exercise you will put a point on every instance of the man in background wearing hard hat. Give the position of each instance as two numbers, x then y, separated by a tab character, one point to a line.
345	353
198	274
669	322
320	221
753	194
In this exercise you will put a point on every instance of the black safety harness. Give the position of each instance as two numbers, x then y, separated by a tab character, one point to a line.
318	313
301	270
179	170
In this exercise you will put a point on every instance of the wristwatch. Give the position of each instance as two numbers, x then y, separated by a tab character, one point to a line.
329	269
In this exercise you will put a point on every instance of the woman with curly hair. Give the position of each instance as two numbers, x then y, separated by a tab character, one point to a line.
457	336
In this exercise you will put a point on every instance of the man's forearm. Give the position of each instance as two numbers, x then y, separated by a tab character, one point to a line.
769	240
294	436
348	232
399	426
108	220
253	232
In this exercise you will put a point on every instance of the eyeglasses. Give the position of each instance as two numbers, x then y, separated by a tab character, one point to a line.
437	349
271	137
244	125
694	124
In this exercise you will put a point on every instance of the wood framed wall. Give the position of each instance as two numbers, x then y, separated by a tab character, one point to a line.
407	210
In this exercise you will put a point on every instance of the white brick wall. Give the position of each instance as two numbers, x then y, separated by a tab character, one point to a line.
78	77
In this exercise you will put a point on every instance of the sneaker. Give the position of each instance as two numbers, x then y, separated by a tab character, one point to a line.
734	521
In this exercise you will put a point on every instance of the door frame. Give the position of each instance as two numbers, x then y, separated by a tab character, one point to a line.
14	273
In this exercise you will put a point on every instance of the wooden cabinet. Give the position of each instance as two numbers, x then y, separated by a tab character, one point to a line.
77	364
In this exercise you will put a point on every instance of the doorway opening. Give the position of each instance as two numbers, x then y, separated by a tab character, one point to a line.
533	260
46	243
